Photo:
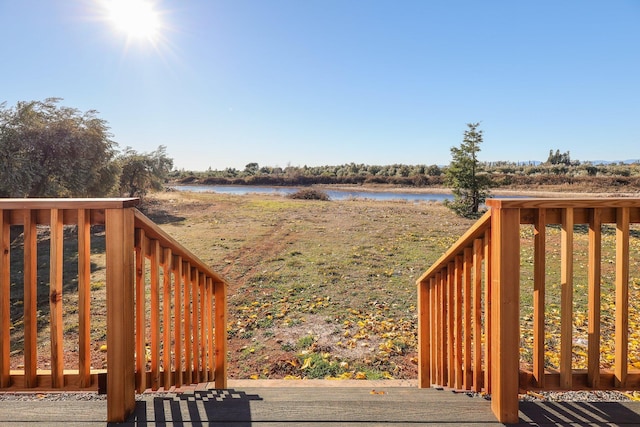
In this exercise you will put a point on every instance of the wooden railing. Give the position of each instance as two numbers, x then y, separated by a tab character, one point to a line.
478	300
165	309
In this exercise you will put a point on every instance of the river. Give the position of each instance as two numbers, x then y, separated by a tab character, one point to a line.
333	194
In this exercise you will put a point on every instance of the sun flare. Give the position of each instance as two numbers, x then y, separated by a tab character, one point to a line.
138	19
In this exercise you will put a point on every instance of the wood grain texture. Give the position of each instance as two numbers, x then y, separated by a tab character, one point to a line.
120	314
84	297
5	299
467	313
141	245
56	262
505	333
424	335
166	317
566	297
622	296
154	314
178	278
477	314
30	299
539	282
593	297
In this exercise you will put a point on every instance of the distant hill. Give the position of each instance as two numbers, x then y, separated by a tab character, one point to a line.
608	162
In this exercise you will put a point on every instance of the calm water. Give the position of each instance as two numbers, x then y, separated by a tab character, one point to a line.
334	194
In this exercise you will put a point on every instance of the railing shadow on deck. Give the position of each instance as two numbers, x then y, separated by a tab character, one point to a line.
165	309
198	408
469	302
577	413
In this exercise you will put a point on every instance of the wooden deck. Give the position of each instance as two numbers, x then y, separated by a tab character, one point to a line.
314	403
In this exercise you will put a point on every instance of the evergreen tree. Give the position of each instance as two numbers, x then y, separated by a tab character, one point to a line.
465	175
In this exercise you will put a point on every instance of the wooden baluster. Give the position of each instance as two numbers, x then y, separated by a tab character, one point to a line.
5	299
155	255
594	277
166	318
458	320
433	310
56	261
622	297
539	271
195	324
477	315
488	341
444	359
141	247
220	323
210	331
188	353
566	298
84	297
441	329
451	339
30	299
203	327
177	317
467	313
424	335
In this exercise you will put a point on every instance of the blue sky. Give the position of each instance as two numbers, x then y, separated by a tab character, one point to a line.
326	82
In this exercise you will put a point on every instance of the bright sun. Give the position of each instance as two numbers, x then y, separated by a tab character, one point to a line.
136	18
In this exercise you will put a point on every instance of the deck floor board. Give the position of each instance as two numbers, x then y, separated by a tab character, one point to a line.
315	406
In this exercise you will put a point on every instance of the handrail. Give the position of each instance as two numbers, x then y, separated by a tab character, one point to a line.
477	230
187	302
154	232
469	301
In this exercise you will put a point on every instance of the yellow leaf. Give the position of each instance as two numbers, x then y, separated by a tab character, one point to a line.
307	363
361	375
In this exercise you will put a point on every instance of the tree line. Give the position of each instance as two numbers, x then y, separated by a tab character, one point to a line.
470	179
49	150
503	173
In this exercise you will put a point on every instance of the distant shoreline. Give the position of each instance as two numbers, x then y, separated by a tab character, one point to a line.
551	191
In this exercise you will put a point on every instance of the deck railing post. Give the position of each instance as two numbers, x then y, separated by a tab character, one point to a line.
424	335
120	313
505	312
220	334
5	299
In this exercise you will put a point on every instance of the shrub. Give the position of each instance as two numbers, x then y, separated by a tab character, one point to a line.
309	194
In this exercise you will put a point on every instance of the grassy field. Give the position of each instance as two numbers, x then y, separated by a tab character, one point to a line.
317	288
328	288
